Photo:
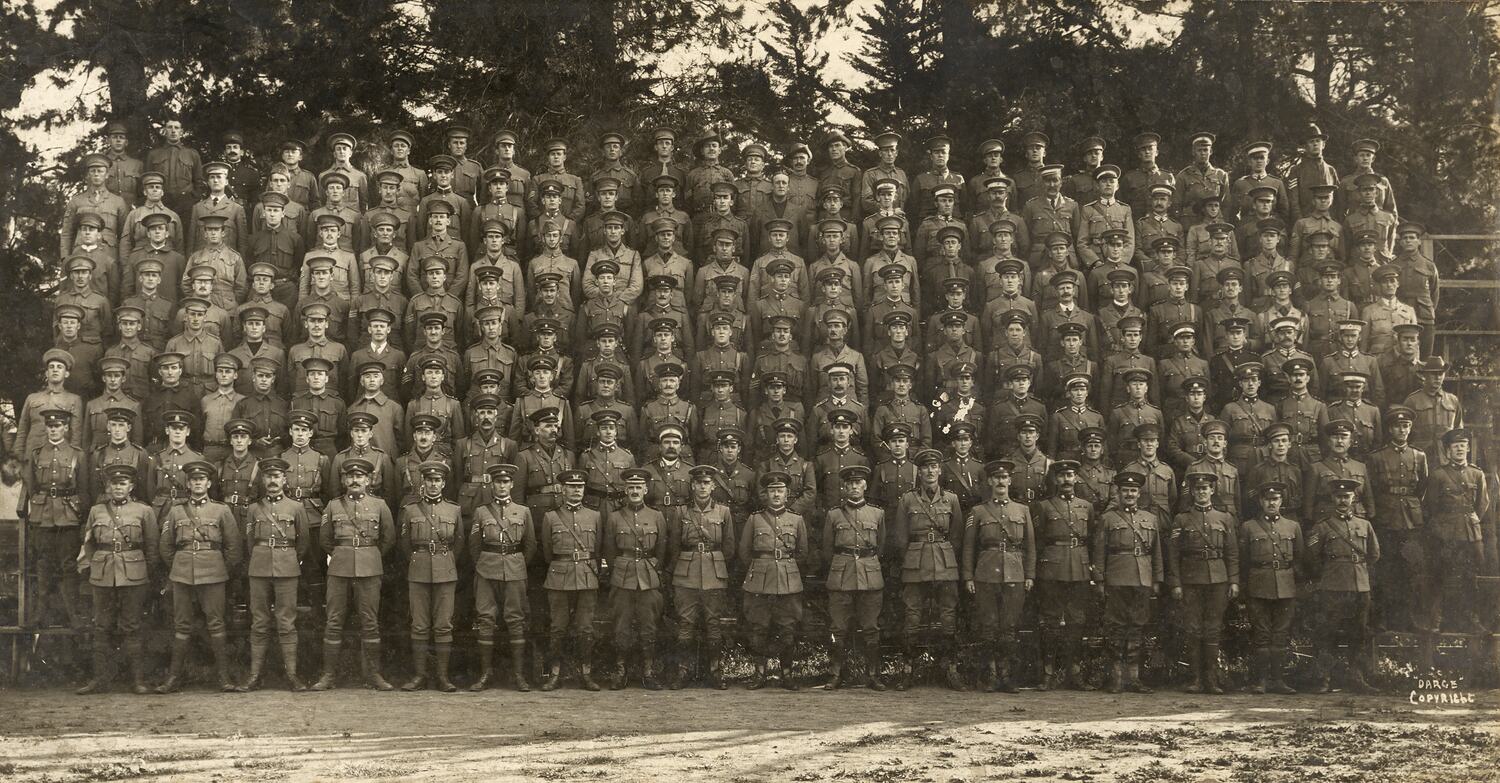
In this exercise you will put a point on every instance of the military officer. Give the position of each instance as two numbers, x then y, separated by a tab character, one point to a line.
501	542
1271	550
571	535
1340	549
1066	576
1457	495
1399	474
1128	550
701	543
1203	572
853	540
357	531
773	545
278	533
432	532
999	569
202	544
55	481
635	546
120	539
927	530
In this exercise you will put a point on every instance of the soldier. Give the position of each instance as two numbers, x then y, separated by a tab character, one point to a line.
1271	551
999	568
474	455
116	448
1305	414
1029	180
1340	549
1312	171
1318	501
56	491
1203	562
501	543
1128	550
179	164
120	538
1141	184
357	531
278	534
202	544
1456	496
1399	474
852	542
1066	574
1436	411
124	174
570	536
774	545
926	530
96	416
1419	285
887	145
1248	416
1244	190
700	543
635	546
432	531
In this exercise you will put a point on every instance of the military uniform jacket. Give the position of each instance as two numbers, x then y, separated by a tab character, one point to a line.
278	534
165	481
999	544
236	482
502	541
1399	474
306	476
772	544
538	474
853	539
1435	415
1340	550
570	545
1318	500
433	534
1456	496
928	530
1096	483
1063	534
1129	548
201	542
1271	550
702	540
118	542
1201	549
635	545
357	532
107	454
55	482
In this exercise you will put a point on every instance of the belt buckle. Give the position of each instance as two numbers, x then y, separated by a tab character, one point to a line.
1276	564
702	547
931	537
485	479
432	547
118	547
1072	541
233	500
667	499
578	554
1137	552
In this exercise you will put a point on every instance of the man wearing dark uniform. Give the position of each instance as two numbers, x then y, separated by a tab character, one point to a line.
999	569
853	540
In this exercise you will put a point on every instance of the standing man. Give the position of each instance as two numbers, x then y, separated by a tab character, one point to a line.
357	531
1064	530
277	532
1128	549
1203	571
773	546
1272	552
701	542
119	542
202	544
999	568
927	530
635	546
853	540
124	176
1310	173
570	538
1399	474
181	168
501	543
57	495
1456	496
1340	550
432	530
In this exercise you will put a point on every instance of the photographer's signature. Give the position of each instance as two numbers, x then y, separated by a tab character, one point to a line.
1439	692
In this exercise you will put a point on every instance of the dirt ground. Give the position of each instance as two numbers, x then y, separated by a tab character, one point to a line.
927	734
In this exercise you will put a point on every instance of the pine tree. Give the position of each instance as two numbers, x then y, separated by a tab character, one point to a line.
900	57
796	67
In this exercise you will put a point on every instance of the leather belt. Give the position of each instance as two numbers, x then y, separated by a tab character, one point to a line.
1000	547
1355	559
272	543
199	546
1398	490
772	556
59	492
855	551
124	546
483	478
350	542
298	493
1070	542
432	547
237	500
1136	551
930	537
574	556
501	549
1273	564
701	547
546	489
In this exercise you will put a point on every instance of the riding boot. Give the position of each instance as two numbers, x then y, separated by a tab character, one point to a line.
103	673
486	667
950	668
135	659
618	677
1211	682
418	679
257	666
327	680
672	666
1075	665
1005	668
758	678
372	671
586	676
444	654
175	671
289	664
1276	673
1133	671
989	670
1259	666
716	668
518	666
219	646
1325	674
648	673
1049	654
788	657
872	663
553	667
1195	667
836	656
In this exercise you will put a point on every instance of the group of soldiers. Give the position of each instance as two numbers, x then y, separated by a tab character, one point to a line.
668	386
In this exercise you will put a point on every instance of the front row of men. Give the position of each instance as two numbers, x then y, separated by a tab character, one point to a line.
1061	546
